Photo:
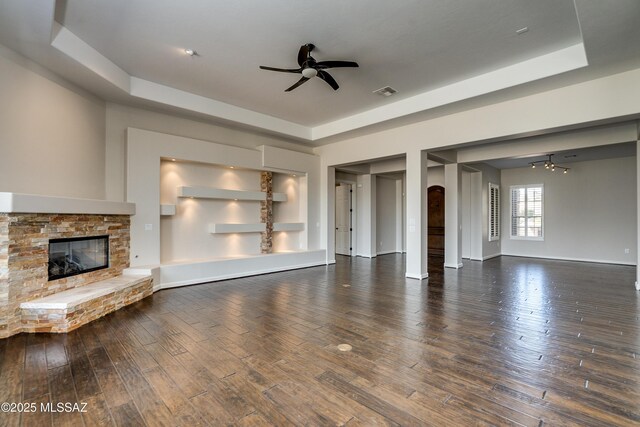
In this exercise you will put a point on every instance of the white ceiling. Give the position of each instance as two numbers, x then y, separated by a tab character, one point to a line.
613	151
131	51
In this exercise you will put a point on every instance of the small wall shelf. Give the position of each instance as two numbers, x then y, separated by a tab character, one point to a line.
167	210
237	228
219	193
288	226
279	197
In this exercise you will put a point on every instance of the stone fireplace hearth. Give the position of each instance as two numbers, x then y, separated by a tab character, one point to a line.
24	252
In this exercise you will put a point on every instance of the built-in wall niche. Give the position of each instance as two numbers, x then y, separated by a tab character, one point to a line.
211	211
286	216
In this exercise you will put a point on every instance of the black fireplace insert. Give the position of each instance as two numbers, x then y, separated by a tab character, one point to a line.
77	255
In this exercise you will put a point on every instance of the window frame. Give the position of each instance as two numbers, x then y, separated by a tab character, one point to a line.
542	221
494	213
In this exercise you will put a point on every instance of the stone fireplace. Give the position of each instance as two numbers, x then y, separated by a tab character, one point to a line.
33	244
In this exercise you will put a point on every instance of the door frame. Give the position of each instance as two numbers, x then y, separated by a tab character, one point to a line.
354	215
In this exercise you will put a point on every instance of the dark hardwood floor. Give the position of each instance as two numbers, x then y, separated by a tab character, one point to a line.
511	341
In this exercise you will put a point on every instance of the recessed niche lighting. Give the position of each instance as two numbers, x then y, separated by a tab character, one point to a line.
191	52
173	160
231	167
522	30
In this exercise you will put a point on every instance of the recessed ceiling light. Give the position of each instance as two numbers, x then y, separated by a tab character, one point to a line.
522	30
173	160
191	52
231	167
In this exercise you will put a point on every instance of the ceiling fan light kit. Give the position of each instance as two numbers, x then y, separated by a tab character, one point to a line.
310	68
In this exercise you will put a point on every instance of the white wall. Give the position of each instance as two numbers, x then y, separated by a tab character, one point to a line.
435	176
366	196
288	211
146	149
120	117
386	219
589	213
489	175
465	206
51	133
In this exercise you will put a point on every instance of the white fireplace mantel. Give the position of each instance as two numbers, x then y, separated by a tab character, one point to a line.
32	203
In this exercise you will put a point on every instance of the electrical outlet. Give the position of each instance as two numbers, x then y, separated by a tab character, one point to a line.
626	250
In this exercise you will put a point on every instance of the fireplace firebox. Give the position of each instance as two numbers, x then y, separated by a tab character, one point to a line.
77	255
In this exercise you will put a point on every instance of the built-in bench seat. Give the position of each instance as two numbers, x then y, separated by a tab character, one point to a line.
68	310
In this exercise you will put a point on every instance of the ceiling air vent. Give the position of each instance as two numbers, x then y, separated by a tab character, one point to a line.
385	91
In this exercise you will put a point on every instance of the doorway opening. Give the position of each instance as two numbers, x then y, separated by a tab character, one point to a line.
435	237
344	219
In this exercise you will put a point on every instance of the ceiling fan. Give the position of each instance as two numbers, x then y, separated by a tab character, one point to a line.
310	68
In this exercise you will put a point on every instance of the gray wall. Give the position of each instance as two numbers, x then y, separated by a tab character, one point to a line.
51	133
589	213
386	215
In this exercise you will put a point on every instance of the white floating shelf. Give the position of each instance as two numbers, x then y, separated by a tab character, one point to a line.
167	210
220	193
279	197
288	226
237	228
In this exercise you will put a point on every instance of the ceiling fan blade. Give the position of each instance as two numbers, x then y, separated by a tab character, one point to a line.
336	64
298	83
303	53
327	78
282	70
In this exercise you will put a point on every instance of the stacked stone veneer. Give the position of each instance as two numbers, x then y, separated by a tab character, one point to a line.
266	212
24	247
74	316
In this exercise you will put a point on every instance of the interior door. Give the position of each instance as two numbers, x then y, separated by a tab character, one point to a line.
436	221
343	219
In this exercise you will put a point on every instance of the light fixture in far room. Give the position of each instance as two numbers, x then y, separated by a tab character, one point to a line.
549	165
191	52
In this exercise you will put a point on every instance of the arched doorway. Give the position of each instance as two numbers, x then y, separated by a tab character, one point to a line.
436	221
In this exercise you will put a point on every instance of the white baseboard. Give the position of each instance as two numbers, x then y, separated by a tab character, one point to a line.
416	276
597	261
183	274
490	256
456	266
235	275
387	252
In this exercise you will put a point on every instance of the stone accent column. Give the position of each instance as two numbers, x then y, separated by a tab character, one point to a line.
266	212
6	308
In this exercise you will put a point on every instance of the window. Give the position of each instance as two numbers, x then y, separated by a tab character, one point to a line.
494	212
527	205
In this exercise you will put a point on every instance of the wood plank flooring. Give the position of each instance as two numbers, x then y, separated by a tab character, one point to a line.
511	341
